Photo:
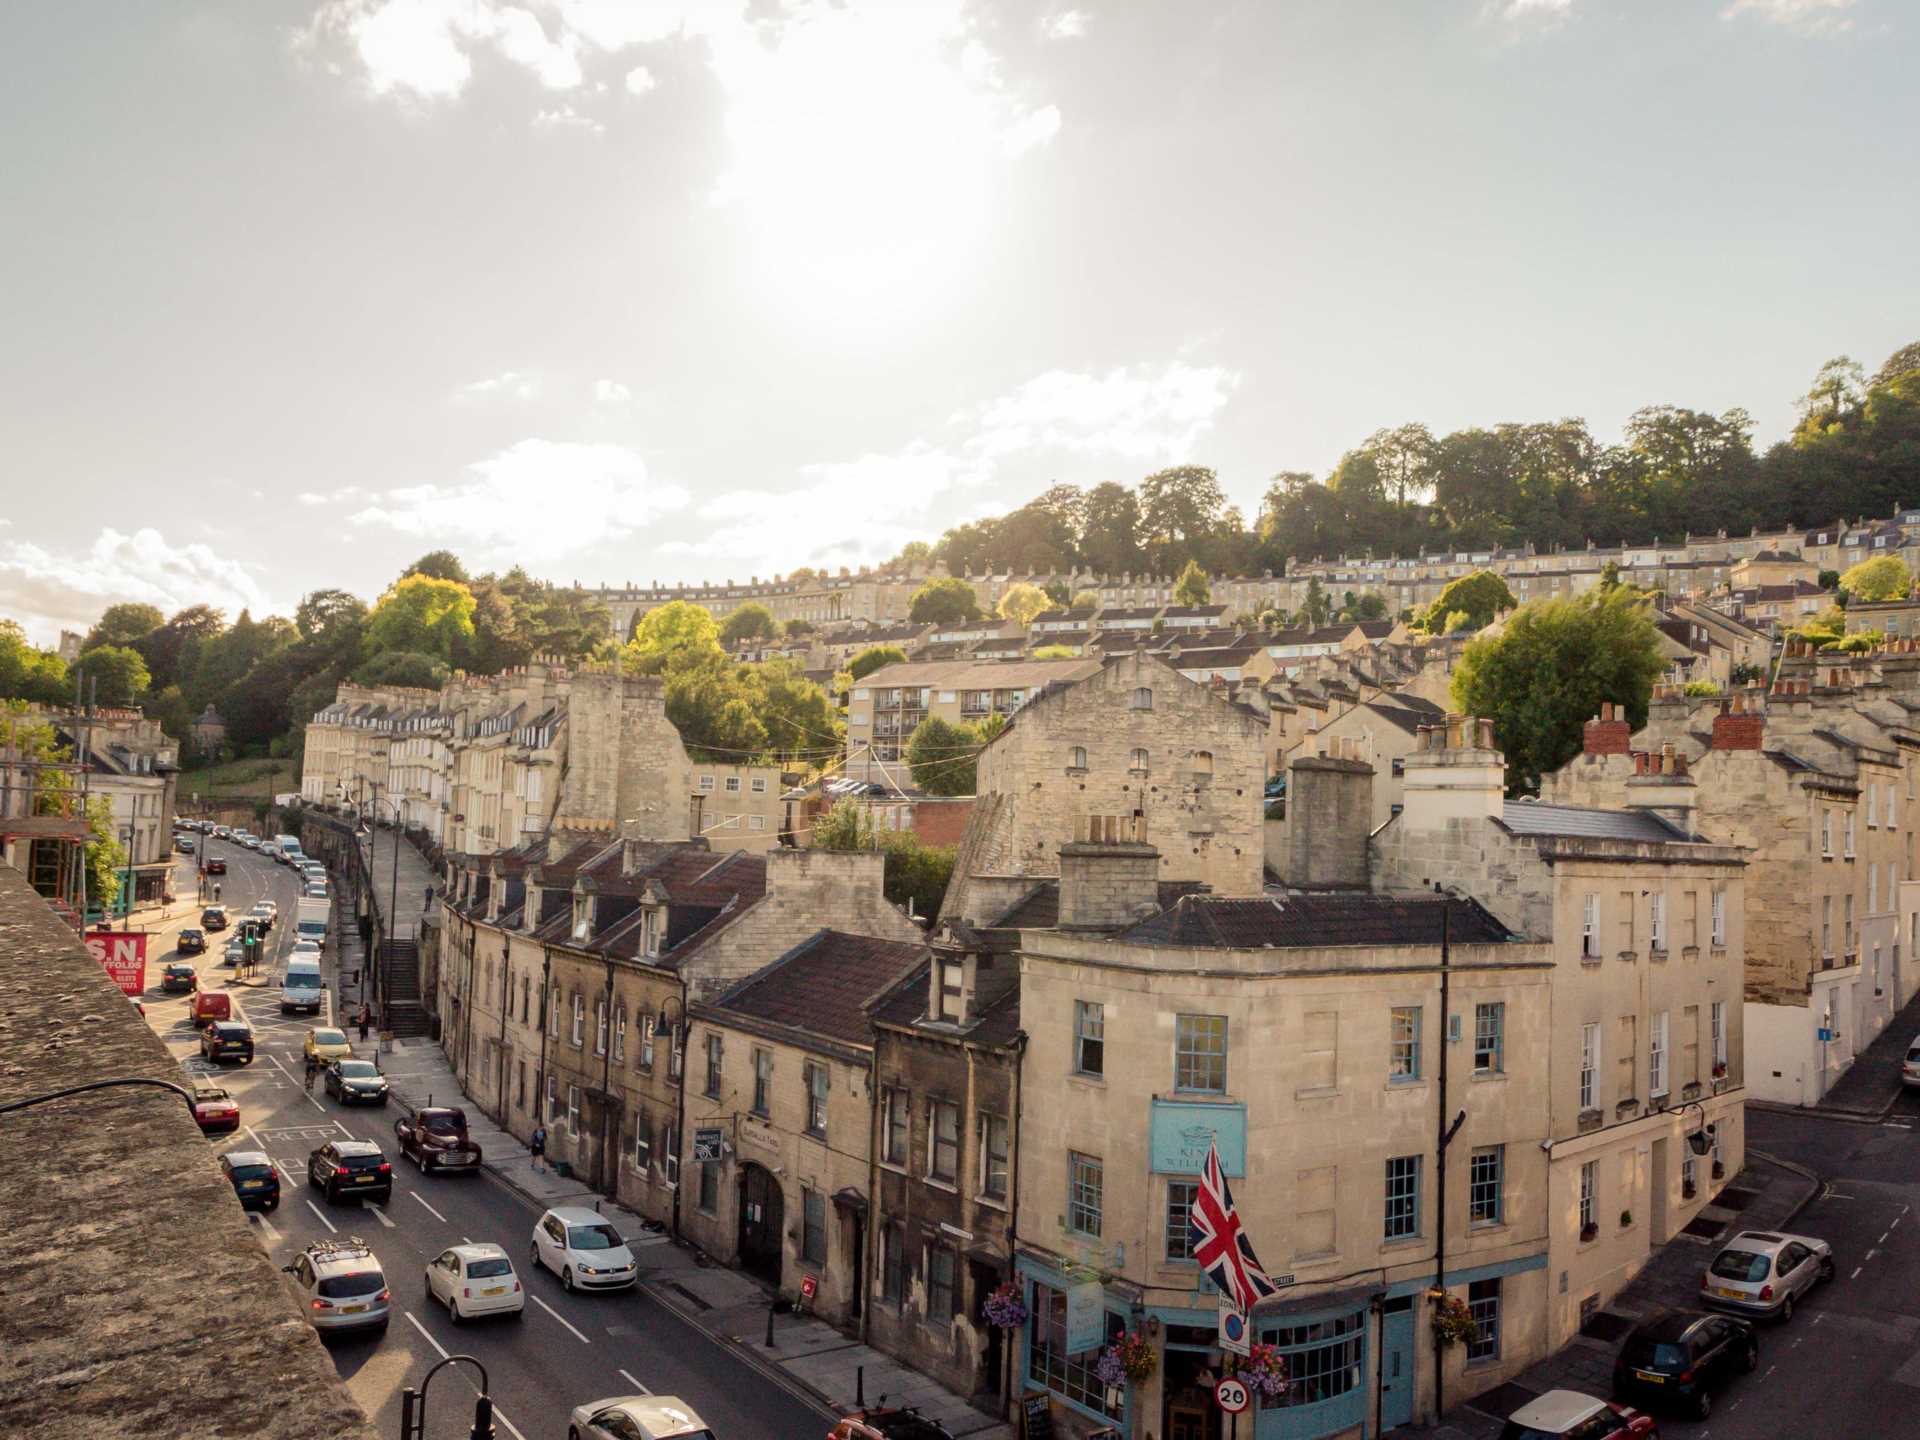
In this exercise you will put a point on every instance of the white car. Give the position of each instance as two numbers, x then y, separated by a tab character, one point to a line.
341	1286
475	1280
637	1417
1910	1067
585	1251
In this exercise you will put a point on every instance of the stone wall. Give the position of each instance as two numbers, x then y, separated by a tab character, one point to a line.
627	771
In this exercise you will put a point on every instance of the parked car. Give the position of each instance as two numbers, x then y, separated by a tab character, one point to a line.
1910	1067
1569	1415
183	844
1758	1272
341	1168
227	1040
327	1045
214	917
637	1417
586	1252
356	1082
436	1139
192	941
255	1182
216	867
475	1280
341	1286
888	1423
214	1110
178	976
1683	1358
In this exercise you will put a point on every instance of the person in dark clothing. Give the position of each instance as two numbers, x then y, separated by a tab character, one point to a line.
366	1019
538	1145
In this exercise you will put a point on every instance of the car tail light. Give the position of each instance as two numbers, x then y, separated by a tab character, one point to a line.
320	1305
386	1295
341	1170
465	1293
1766	1292
1686	1376
516	1287
385	1167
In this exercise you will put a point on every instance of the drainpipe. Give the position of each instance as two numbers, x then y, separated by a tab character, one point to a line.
606	1093
1011	1354
680	1102
1445	1133
506	1008
865	1279
546	999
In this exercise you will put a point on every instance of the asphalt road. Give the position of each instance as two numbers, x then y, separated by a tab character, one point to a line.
566	1351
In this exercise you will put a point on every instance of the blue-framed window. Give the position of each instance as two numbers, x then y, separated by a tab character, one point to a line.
1403	1197
1326	1359
1049	1365
1486	1184
1403	1057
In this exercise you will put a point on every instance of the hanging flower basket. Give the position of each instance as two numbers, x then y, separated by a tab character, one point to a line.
1129	1358
1263	1370
1005	1309
1452	1320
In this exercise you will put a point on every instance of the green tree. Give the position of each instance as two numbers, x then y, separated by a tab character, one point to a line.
1829	580
31	674
915	874
1372	606
1882	578
847	826
114	674
1085	600
752	621
678	633
1480	596
1314	611
1022	602
1053	652
798	716
794	629
422	614
439	565
943	602
942	755
172	650
1180	511
875	657
401	667
1548	670
123	624
1192	588
1110	536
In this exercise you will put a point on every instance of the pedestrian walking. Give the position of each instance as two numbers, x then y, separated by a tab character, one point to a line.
366	1019
538	1145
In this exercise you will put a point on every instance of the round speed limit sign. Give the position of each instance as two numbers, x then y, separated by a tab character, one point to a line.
1231	1395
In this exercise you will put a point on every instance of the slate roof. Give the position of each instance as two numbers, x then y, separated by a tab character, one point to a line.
1530	817
1039	909
906	1004
823	984
1314	922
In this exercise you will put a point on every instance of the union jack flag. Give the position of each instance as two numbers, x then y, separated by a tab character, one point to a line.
1220	1244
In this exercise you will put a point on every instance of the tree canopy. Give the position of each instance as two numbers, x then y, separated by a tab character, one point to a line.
1022	602
1192	588
1545	674
873	658
944	602
942	755
114	674
1479	597
751	621
425	615
1882	578
123	625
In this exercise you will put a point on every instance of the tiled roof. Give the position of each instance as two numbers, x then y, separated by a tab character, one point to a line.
1313	922
824	984
983	674
906	1003
1039	909
1531	817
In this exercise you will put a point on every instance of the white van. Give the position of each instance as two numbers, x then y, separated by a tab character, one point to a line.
302	988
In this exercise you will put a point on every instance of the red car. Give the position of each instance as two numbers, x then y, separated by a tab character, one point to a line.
888	1424
215	1111
216	867
1569	1415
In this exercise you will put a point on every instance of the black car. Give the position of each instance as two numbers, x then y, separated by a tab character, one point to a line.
350	1167
254	1180
354	1082
214	917
191	942
228	1040
179	978
1682	1358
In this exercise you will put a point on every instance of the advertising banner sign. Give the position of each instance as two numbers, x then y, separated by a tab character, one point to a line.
124	954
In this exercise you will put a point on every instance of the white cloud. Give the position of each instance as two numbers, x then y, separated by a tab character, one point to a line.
1538	12
1065	25
507	385
536	501
47	590
1136	413
640	80
565	117
611	393
1813	17
345	495
424	48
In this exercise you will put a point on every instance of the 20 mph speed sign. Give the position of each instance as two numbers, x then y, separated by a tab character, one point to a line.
1231	1395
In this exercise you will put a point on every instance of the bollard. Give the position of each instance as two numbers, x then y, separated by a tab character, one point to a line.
770	1344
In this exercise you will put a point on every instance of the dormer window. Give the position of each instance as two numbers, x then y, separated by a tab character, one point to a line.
650	933
949	995
582	917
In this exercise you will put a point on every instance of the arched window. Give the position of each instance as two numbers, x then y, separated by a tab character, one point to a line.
600	1027
1203	762
1142	698
1139	760
579	1029
1077	760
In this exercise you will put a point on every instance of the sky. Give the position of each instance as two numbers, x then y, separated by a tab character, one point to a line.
293	291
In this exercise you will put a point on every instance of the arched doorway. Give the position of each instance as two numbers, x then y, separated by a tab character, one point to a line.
762	1217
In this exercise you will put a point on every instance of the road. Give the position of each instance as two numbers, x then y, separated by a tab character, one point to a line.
569	1349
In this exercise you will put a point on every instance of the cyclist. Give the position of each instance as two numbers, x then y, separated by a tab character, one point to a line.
313	1069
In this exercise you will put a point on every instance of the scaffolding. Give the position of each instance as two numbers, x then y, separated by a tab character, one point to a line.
44	822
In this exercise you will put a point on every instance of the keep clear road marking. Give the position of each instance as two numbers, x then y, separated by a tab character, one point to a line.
321	1218
430	1210
627	1376
561	1318
380	1214
440	1350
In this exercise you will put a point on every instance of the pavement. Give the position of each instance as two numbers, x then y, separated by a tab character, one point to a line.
1871	1085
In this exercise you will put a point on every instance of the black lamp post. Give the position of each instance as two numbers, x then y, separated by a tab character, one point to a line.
413	1403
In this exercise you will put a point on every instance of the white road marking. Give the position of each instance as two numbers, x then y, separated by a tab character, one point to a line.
440	1350
1884	1233
266	1225
1896	1223
430	1210
380	1214
628	1377
1770	1370
321	1218
1872	1253
561	1318
1856	1272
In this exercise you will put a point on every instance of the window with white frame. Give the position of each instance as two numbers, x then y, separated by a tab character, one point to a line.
1200	1053
642	1141
1486	1175
733	784
1846	923
994	1153
895	1127
819	1081
1589	1196
1849	835
1826	834
756	822
579	1032
762	1082
1873	806
553	1011
715	1063
1719	919
1718	1023
1826	927
706	784
1403	1044
1138	761
1590	926
1142	699
1089	1037
759	785
943	1141
1403	1197
600	1027
1589	1066
1077	758
1657	1055
620	1034
573	1109
1489	1038
1657	920
1086	1193
646	1041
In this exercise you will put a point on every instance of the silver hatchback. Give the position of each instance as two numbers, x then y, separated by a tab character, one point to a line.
1759	1272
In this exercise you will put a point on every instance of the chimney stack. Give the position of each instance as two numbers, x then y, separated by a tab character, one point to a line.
1329	819
1737	727
1609	734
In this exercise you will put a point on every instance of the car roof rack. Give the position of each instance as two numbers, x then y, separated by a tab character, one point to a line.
347	1247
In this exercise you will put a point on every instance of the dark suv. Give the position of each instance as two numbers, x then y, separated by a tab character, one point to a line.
191	942
228	1040
1682	1358
350	1167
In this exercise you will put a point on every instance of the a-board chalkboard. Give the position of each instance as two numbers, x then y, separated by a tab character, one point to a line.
1039	1418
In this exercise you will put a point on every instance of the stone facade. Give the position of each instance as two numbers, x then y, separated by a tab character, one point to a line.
1132	749
886	707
